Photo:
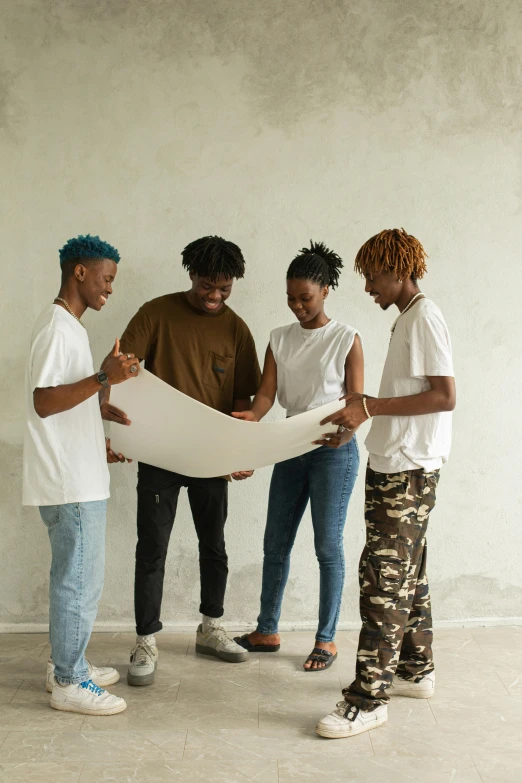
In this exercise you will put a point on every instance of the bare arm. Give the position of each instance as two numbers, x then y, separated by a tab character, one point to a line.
57	399
354	368
440	397
266	394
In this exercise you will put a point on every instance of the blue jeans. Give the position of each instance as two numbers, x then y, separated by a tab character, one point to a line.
326	476
77	536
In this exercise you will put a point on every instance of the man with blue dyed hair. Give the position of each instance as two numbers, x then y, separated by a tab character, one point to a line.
65	468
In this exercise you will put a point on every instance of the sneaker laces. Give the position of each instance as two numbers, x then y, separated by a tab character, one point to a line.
88	685
142	655
220	634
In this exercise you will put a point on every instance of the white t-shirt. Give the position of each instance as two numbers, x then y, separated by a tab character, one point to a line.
310	364
420	346
64	455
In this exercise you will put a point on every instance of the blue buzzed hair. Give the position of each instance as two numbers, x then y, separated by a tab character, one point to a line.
87	247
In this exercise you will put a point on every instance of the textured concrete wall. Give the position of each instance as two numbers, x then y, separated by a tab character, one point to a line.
152	123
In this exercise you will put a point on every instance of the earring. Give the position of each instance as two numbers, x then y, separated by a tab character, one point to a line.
399	281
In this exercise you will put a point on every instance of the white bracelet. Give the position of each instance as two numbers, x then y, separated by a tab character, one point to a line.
366	407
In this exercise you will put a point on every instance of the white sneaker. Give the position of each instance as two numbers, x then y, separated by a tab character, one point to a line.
143	664
216	642
100	675
347	721
424	689
85	698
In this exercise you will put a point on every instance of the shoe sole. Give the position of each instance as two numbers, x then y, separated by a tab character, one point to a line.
64	707
112	681
145	679
336	735
412	695
224	656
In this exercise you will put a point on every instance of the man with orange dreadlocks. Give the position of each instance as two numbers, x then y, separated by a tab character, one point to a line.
408	442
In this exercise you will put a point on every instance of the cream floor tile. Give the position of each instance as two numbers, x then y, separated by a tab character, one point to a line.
164	689
295	711
499	768
24	644
299	684
356	770
440	769
198	712
22	667
37	716
249	750
8	688
480	709
3	735
105	747
160	771
511	679
452	739
206	666
43	772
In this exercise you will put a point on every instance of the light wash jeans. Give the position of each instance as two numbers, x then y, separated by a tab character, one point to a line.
326	476
77	536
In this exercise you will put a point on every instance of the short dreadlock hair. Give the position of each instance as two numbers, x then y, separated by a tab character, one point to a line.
85	250
316	263
393	250
214	257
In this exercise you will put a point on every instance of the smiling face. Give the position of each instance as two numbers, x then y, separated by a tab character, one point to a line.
384	288
96	279
208	295
306	299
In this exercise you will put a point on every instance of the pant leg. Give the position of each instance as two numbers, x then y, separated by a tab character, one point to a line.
77	535
397	513
332	474
158	492
208	500
288	497
416	659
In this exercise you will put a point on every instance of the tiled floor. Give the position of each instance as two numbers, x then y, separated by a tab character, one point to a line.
205	720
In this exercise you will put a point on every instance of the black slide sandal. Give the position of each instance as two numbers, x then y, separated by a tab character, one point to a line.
245	642
323	656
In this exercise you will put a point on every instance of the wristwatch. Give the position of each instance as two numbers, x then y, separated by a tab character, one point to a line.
103	378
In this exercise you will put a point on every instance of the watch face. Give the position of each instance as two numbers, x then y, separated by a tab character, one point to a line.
102	376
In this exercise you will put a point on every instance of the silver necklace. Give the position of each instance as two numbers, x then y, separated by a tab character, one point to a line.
68	308
410	304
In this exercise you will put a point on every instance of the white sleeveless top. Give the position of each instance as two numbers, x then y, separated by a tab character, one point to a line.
310	364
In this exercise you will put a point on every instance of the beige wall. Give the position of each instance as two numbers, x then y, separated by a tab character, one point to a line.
152	123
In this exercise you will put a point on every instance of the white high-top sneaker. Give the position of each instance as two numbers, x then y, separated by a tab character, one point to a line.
215	642
424	689
347	721
100	675
85	698
143	664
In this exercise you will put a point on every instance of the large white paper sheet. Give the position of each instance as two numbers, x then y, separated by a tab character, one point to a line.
175	432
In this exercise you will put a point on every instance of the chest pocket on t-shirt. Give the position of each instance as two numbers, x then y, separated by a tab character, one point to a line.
218	371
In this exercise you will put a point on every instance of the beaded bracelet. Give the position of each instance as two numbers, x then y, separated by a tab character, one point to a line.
366	407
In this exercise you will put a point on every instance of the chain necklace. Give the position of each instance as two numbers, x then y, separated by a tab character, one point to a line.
410	304
68	308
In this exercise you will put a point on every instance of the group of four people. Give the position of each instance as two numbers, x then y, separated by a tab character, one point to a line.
193	341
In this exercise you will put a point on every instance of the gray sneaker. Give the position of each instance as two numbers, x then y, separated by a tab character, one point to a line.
216	642
143	664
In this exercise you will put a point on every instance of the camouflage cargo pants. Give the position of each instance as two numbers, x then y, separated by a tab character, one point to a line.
396	634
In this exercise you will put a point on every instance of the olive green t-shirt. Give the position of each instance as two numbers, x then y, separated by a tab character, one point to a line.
211	358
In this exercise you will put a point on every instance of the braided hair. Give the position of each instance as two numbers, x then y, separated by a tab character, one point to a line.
213	257
392	250
316	263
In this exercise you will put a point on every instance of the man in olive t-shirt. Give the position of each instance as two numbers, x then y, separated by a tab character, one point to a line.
196	343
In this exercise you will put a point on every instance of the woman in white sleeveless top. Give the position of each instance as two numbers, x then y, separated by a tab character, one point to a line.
308	363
